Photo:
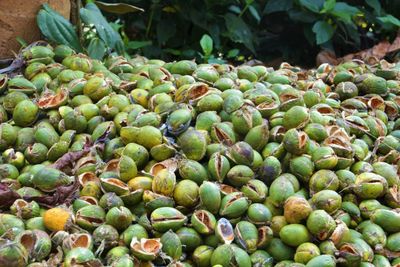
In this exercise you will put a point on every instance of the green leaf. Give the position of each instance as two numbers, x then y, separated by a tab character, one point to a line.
323	31
390	20
216	61
249	2
239	31
376	6
235	9
344	12
57	29
206	44
232	53
55	14
328	6
328	46
138	44
116	26
96	49
312	5
118	8
277	6
91	15
352	32
120	48
254	13
215	34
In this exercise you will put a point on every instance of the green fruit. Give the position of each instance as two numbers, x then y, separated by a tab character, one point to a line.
165	218
78	255
189	238
296	117
294	234
13	254
246	236
322	261
186	193
119	217
305	252
320	224
25	113
172	245
279	250
210	196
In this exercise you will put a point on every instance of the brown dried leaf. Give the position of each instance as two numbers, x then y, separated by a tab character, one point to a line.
63	195
387	253
18	63
371	55
376	52
7	196
69	159
395	45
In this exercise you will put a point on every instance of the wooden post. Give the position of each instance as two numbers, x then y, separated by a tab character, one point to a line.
18	19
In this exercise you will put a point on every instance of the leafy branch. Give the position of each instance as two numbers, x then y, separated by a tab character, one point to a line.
97	38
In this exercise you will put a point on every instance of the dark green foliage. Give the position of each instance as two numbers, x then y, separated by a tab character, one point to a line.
57	29
98	38
91	15
295	30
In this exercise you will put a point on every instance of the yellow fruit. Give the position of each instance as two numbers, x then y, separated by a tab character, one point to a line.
57	219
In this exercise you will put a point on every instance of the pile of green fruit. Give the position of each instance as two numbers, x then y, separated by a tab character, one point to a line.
137	162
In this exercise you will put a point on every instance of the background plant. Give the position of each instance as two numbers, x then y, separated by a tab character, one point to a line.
294	30
225	30
93	34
